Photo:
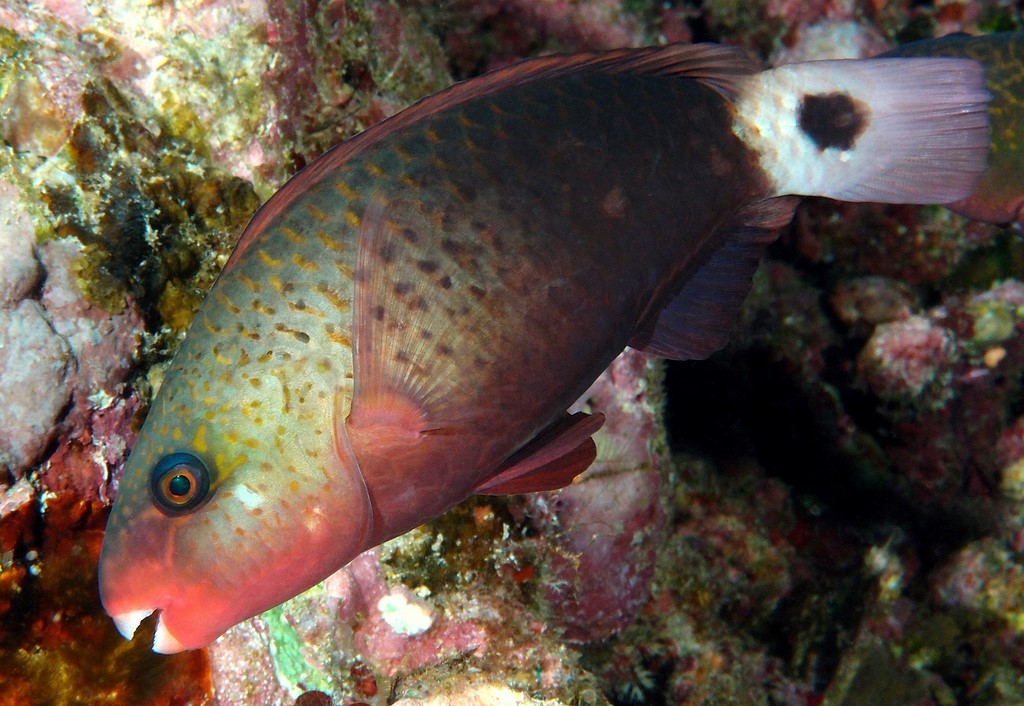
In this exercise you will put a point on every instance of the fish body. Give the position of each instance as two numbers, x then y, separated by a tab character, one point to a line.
999	196
407	321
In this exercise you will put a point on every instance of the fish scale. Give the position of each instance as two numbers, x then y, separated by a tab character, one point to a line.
408	320
499	327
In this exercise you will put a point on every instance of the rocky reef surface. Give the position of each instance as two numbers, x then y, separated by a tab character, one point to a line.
830	511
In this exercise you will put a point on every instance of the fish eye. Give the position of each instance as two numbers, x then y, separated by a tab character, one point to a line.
179	482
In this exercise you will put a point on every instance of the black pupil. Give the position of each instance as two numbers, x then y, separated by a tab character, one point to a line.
179	485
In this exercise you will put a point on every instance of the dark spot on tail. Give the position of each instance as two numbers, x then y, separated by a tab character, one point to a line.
833	120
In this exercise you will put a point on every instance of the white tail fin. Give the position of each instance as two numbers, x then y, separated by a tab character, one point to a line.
893	130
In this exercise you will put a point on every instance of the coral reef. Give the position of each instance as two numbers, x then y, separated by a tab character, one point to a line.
842	521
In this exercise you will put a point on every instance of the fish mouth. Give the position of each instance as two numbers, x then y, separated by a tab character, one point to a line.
163	641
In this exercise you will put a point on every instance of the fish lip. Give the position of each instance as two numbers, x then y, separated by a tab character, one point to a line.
128	622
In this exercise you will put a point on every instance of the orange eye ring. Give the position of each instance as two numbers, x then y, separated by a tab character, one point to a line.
179	483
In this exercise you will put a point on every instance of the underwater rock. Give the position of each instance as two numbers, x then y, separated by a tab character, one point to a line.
243	667
598	537
398	631
830	39
941	382
909	364
477	693
487	34
63	363
365	632
105	346
33	358
863	303
19	269
33	364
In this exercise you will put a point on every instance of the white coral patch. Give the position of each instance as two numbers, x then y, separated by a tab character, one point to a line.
403	616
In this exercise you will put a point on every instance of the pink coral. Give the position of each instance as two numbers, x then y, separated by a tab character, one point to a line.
577	25
910	361
398	631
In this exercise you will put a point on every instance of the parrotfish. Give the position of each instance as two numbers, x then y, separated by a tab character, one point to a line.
408	320
999	197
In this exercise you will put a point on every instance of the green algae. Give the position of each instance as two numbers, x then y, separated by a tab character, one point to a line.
156	215
999	19
941	655
979	268
156	218
474	542
12	56
923	245
995	321
409	70
155	221
363	61
295	670
138	181
959	646
211	96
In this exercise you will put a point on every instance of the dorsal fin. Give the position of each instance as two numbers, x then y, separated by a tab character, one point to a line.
717	66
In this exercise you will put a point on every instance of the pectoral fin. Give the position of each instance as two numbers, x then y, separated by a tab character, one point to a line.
551	460
401	380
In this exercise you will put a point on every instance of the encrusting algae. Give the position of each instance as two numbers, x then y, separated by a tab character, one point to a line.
156	222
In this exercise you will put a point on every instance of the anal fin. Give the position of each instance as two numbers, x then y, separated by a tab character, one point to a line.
697	321
551	460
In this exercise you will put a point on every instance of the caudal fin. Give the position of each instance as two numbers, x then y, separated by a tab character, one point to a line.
896	130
